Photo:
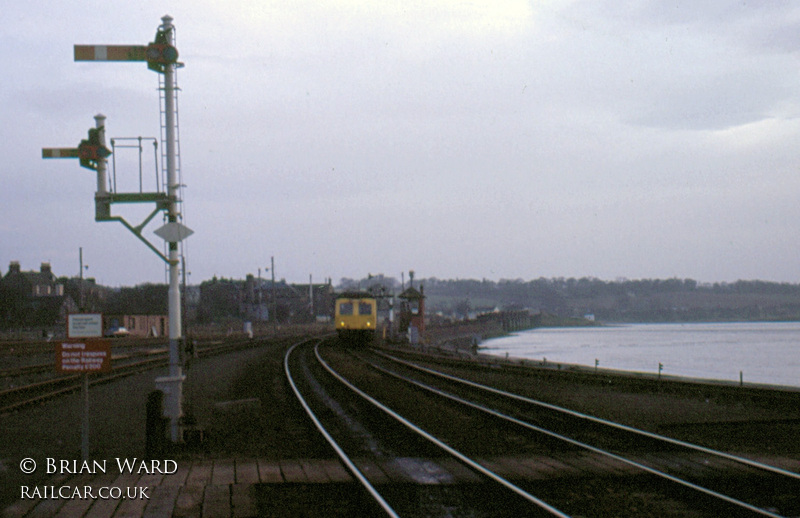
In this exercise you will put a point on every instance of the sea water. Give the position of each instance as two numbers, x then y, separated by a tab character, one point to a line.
755	352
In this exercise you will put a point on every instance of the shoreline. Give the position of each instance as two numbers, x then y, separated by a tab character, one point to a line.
477	342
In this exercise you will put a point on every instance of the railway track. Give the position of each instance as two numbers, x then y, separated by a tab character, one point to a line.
567	463
132	362
45	365
717	480
423	469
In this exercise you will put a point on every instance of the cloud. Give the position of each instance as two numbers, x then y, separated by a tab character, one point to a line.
561	138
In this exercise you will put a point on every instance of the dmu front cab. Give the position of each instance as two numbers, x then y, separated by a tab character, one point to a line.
356	317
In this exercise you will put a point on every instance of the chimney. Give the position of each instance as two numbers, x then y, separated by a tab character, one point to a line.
46	269
13	267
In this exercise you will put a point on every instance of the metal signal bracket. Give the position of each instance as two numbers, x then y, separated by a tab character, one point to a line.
161	56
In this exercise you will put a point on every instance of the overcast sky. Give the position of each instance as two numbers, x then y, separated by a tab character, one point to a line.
496	139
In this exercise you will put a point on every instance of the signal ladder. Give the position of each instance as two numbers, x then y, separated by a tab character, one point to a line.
162	93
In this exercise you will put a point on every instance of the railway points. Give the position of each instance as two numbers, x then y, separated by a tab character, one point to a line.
278	462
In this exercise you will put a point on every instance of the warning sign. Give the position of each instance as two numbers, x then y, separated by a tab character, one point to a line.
83	356
84	325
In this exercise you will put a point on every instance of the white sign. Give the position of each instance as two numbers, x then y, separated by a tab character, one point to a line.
85	325
173	232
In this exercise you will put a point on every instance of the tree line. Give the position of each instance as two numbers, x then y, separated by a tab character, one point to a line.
621	300
639	300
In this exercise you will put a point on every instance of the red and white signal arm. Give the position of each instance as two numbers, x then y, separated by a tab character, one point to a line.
110	52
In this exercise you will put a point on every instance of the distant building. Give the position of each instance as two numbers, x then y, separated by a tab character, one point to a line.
34	284
412	314
140	326
262	300
32	299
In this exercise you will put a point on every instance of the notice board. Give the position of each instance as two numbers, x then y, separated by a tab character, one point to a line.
76	356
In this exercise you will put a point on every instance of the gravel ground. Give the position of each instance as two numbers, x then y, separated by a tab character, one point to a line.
748	420
118	416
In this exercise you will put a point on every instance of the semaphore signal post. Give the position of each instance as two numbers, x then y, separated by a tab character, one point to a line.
161	56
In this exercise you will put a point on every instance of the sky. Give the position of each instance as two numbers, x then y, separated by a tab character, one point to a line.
496	139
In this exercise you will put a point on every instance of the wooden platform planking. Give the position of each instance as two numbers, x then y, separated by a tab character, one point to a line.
227	487
315	472
130	507
19	508
28	506
217	501
179	477
398	470
189	502
200	473
51	507
243	500
162	501
47	508
336	472
133	506
105	508
78	507
292	471
223	473
247	471
269	472
373	473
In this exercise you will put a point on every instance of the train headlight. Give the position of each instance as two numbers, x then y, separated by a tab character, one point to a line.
341	323
369	324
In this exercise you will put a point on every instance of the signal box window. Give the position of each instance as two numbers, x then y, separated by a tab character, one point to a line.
346	308
364	308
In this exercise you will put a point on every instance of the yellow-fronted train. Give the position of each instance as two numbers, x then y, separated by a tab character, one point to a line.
356	317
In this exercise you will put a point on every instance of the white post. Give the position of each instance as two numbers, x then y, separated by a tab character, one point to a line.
102	200
85	417
174	394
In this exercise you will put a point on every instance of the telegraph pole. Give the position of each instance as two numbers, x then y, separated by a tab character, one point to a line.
274	304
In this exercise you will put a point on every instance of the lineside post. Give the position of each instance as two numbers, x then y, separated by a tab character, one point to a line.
172	385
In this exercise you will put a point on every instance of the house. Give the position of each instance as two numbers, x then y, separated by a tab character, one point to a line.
33	299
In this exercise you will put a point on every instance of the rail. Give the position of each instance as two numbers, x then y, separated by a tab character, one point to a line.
580	444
